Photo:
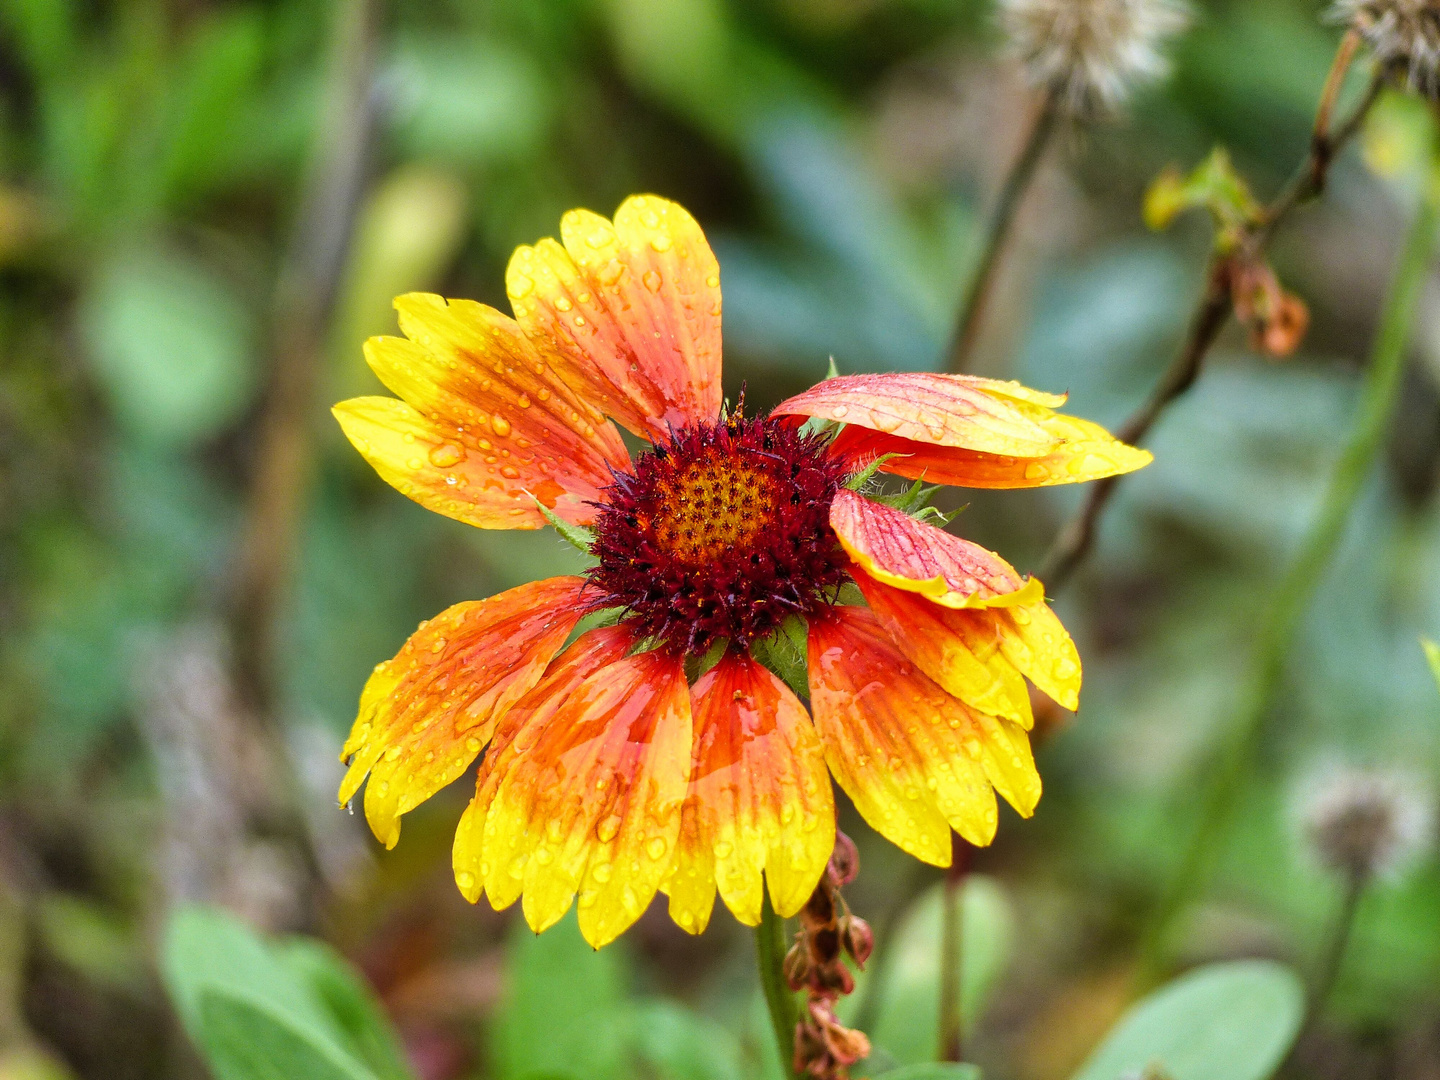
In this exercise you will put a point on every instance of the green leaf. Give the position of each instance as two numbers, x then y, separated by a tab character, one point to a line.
1432	655
1234	1021
563	1009
349	1003
578	536
677	1044
258	1012
1214	185
246	1040
931	1070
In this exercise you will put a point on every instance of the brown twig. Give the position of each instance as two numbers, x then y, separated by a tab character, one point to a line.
1078	535
997	233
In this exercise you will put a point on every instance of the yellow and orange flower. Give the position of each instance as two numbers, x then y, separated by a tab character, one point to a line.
609	775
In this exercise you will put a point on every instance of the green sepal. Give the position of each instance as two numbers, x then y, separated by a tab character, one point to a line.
863	477
783	652
577	535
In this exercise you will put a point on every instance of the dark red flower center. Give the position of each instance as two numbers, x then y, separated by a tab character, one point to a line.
722	533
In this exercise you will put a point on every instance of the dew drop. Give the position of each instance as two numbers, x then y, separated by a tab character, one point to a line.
1036	471
564	303
500	425
660	243
652	280
510	472
521	285
445	455
656	847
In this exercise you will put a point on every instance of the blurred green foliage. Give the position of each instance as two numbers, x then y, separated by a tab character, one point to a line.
153	161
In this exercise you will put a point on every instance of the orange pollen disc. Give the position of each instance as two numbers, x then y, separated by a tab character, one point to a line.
714	507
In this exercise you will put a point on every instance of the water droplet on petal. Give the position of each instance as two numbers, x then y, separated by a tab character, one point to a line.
500	425
652	280
445	455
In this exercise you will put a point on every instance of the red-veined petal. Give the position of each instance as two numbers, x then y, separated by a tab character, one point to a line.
426	714
915	761
1085	452
485	422
942	410
586	796
908	554
759	799
635	303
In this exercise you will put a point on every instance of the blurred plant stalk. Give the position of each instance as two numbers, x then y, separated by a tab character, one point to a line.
305	299
1244	248
998	230
1378	395
304	302
951	1042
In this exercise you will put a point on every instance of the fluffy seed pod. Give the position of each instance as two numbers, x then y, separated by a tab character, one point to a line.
1404	35
1366	822
1091	52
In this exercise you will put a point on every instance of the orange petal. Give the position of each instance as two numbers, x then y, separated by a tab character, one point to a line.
1032	638
586	795
486	421
914	760
635	305
979	655
908	554
963	655
940	410
1084	451
426	714
759	799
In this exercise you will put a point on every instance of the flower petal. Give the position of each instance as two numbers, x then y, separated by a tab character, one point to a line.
940	410
1033	639
914	760
486	421
963	655
426	714
759	799
636	304
960	649
586	795
909	554
1085	452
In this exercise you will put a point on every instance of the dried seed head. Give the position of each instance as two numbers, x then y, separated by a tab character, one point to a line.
1366	822
1404	35
1091	52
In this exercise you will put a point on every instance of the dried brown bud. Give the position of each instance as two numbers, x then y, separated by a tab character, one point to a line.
844	861
796	966
858	940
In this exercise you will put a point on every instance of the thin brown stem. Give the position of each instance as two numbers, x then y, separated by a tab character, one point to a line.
998	230
1077	537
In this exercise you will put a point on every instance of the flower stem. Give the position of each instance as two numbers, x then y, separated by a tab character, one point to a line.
770	947
1378	395
1334	955
997	233
951	1046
